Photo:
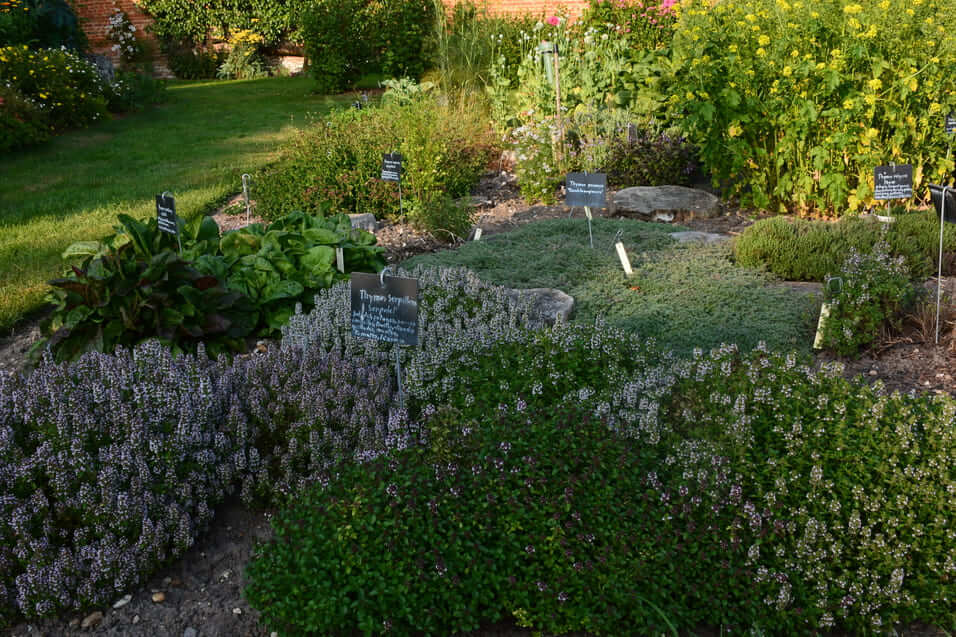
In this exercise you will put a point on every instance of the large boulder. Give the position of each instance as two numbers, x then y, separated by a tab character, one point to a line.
665	203
547	305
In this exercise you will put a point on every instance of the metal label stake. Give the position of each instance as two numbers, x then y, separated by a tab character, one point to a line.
245	193
939	274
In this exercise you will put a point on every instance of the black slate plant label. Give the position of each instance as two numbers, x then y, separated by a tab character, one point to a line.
386	312
166	214
588	190
950	125
392	167
893	182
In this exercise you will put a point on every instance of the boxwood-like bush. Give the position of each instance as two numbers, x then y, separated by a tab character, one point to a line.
804	250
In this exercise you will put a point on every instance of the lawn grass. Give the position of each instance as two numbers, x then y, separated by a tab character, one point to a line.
196	146
684	296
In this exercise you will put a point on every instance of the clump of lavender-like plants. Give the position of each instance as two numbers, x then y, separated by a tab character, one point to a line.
842	495
109	467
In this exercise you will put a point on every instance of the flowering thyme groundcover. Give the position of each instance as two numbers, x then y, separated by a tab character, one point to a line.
745	490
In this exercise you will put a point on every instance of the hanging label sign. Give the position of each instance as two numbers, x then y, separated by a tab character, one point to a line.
950	125
392	167
893	182
386	312
586	189
166	214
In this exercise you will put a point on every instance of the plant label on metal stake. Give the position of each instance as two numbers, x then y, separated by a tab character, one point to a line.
392	171
893	182
940	196
385	309
166	216
949	126
477	233
245	195
622	253
587	190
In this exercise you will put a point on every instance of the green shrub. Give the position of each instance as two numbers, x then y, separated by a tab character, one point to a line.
243	61
398	32
188	63
132	91
66	87
336	40
136	286
541	516
649	159
445	146
873	289
184	22
842	494
794	103
346	40
803	250
22	122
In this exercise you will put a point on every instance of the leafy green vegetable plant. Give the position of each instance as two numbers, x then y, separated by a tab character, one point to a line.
136	285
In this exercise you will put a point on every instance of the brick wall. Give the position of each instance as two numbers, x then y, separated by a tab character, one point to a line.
94	15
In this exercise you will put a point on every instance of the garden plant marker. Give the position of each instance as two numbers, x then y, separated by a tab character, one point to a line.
245	194
477	233
587	190
386	310
166	216
622	253
340	259
392	171
892	182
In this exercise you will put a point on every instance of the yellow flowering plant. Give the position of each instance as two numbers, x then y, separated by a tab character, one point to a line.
794	102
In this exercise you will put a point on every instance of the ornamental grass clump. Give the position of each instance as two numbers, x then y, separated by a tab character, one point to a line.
793	103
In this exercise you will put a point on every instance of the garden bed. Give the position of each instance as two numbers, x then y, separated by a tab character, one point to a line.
202	590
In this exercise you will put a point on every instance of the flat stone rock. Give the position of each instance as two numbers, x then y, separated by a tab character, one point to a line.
692	236
365	221
547	305
91	620
665	203
474	201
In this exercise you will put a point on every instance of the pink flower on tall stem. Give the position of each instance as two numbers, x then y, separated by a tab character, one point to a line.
554	21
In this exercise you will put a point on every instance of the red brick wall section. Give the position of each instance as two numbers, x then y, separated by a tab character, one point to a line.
95	15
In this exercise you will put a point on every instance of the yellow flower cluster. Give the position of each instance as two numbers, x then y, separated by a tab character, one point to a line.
246	36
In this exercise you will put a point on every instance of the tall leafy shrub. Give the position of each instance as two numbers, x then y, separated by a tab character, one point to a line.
445	145
794	103
348	39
